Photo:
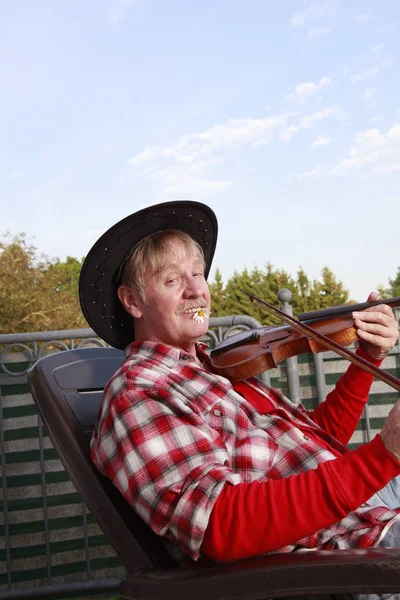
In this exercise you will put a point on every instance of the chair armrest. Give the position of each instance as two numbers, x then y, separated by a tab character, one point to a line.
295	574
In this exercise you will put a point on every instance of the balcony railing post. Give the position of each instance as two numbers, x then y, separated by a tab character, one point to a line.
320	381
293	379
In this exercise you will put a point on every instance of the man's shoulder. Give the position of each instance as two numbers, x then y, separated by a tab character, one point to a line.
147	354
146	365
134	374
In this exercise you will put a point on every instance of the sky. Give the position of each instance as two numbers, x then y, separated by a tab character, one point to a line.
283	117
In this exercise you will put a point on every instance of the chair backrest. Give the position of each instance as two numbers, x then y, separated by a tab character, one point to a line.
67	388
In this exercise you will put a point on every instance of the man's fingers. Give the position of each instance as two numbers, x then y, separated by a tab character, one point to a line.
374	312
377	328
373	297
374	329
375	340
381	321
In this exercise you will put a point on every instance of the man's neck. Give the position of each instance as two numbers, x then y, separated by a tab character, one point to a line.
189	348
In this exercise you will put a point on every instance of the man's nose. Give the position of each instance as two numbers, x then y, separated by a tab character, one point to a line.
193	287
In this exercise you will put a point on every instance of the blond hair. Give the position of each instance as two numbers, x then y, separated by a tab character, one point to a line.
153	253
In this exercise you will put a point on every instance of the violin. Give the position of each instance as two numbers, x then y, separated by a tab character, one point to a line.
248	354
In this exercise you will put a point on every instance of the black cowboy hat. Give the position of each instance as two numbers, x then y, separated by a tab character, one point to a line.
100	275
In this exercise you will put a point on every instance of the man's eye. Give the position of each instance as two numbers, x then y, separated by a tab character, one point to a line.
199	274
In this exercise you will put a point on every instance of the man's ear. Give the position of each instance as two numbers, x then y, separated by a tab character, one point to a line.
130	300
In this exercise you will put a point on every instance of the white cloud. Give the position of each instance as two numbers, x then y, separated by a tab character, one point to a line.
372	152
364	18
304	91
380	61
118	9
394	132
145	156
367	141
318	32
177	183
185	168
312	12
15	175
369	93
243	131
310	120
375	118
369	73
189	166
312	174
288	133
321	141
394	168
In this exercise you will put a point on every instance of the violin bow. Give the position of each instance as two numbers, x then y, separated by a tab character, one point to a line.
330	344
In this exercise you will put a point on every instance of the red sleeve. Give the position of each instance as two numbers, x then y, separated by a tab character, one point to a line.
341	411
250	519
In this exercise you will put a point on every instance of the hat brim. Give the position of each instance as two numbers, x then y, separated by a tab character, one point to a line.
99	278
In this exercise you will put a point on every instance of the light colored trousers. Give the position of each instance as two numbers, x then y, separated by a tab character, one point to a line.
388	496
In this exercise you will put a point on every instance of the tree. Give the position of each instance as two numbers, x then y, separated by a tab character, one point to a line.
217	294
237	301
328	292
36	293
65	275
307	295
394	287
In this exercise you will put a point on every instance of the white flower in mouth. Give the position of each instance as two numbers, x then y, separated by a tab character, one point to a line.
200	315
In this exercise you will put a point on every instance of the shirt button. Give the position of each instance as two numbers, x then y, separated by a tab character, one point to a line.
306	437
217	412
185	357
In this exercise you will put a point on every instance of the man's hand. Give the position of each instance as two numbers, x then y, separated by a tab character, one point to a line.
377	328
390	433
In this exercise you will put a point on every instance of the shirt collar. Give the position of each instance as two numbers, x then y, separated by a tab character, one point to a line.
165	355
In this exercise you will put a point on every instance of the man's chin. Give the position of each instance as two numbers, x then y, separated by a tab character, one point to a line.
196	330
202	328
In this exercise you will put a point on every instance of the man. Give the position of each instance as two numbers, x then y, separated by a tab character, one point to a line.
224	470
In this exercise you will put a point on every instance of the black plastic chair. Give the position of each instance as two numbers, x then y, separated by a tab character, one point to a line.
67	390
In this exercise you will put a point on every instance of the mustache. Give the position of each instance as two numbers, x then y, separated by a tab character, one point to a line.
198	303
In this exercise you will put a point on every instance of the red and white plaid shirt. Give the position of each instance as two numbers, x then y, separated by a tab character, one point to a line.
170	435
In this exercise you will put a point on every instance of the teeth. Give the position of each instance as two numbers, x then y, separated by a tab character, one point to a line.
194	310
